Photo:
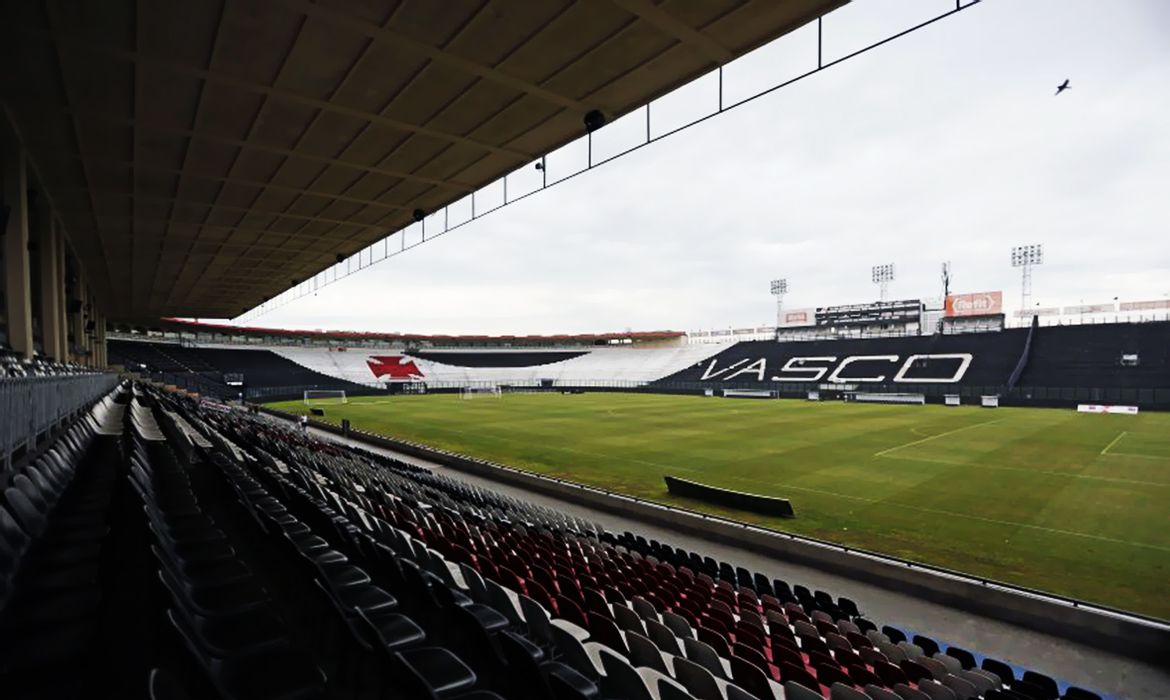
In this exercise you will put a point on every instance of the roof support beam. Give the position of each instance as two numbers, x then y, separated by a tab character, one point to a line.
63	39
402	41
668	24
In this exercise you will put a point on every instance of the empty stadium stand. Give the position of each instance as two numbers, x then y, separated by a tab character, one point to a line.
265	374
1066	365
1119	363
162	549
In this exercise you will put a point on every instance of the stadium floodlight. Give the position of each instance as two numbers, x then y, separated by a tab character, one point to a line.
1024	257
779	289
882	276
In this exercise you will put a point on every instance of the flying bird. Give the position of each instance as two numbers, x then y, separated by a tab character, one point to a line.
1062	87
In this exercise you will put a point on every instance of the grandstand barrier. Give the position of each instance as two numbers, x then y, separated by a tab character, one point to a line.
31	407
1116	631
953	400
750	502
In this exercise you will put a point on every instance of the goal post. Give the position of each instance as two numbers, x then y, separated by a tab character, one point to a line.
330	397
480	392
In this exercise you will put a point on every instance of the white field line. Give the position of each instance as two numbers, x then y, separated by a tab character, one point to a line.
1115	440
1041	472
935	437
862	499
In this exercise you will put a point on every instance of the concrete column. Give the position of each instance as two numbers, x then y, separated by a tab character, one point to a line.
76	320
100	341
51	286
62	297
17	276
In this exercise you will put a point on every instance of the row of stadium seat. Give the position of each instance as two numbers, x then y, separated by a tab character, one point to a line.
243	559
742	629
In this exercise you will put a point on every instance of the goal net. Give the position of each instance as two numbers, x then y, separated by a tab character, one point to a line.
330	397
480	392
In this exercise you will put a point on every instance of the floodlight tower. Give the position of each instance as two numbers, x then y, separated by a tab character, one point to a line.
779	289
1024	257
882	276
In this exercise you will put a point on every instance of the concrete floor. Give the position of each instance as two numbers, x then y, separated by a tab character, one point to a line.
1066	661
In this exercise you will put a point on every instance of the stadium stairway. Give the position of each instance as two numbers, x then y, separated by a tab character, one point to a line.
165	549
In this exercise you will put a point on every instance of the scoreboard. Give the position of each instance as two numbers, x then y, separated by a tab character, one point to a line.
877	313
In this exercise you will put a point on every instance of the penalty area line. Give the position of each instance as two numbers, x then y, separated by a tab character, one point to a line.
1115	440
935	437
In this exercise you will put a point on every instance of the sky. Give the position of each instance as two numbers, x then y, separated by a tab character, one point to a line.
944	145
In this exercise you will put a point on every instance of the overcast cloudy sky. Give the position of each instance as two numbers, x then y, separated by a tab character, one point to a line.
947	144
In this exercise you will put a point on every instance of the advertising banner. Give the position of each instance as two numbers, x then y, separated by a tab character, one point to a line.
798	317
1099	408
974	304
1043	311
1153	305
1089	309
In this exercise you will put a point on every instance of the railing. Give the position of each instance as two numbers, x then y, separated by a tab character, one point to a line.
31	405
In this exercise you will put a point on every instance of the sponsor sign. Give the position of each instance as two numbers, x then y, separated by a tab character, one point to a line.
1153	305
1043	311
876	313
1089	309
1100	408
974	304
395	368
798	317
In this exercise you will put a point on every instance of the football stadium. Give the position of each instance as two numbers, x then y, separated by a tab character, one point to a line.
926	496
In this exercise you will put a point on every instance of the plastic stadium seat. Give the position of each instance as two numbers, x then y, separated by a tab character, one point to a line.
567	684
432	672
964	689
935	690
603	630
706	657
1043	682
750	677
696	679
798	691
907	693
537	620
663	638
643	653
877	692
842	691
672	690
999	668
621	680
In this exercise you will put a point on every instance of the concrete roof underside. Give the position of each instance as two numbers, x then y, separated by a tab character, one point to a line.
204	155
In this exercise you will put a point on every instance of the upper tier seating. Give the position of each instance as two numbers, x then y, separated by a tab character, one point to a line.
167	548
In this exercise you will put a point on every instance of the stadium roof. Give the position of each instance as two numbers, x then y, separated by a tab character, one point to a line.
183	325
204	156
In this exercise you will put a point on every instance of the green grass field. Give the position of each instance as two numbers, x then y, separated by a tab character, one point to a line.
1070	503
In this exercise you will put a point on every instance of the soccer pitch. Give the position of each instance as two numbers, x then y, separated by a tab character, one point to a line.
1075	504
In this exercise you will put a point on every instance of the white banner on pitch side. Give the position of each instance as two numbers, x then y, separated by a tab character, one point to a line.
1100	408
